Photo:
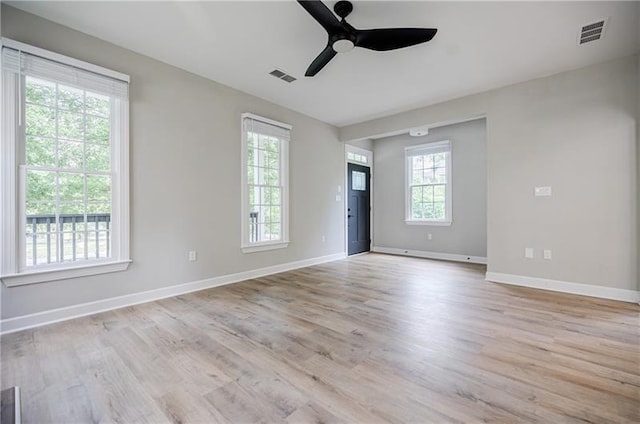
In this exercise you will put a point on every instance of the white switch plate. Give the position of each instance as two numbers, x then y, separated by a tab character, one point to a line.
528	252
542	191
429	236
338	198
339	189
193	256
546	254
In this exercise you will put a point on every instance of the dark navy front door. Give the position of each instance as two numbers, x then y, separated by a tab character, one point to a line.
358	208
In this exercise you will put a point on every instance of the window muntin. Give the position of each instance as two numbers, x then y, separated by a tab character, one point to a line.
265	186
429	183
65	138
67	174
356	157
358	181
265	182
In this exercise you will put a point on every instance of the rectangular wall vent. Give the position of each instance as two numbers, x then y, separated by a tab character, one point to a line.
277	73
282	75
591	32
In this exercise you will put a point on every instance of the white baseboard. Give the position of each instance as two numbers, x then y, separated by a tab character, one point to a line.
565	287
431	255
24	322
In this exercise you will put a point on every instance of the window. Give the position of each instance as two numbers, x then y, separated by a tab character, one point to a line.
356	157
358	181
428	193
64	167
265	183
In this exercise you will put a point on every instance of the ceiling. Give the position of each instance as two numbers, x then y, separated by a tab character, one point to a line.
479	46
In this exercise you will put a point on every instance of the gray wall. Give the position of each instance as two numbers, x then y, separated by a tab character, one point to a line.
185	176
467	235
573	131
366	144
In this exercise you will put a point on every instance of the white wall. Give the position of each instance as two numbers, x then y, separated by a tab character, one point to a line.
467	235
573	131
185	176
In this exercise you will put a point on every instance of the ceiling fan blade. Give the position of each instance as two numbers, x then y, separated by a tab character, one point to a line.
322	14
392	38
319	62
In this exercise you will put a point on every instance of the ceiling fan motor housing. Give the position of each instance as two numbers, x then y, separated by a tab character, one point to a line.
342	42
343	8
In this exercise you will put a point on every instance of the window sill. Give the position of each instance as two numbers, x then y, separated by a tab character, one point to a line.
434	223
251	248
45	275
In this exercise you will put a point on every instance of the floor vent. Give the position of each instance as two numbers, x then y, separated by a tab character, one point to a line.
282	75
591	32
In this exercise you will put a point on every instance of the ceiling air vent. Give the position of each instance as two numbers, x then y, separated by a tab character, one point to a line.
282	75
592	32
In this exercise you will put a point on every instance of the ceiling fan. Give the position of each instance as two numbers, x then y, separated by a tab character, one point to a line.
343	37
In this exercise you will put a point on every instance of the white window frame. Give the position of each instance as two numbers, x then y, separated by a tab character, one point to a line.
13	271
424	149
246	245
358	156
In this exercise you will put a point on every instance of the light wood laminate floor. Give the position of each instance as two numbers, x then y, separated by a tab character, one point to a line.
373	338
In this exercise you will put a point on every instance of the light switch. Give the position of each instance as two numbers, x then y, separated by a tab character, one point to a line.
542	191
546	254
528	252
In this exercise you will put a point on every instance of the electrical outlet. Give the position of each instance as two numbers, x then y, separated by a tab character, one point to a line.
528	252
429	236
193	256
546	254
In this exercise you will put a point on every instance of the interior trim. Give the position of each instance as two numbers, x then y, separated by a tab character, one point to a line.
565	287
39	319
431	255
43	275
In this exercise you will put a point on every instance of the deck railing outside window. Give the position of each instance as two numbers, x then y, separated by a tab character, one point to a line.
68	239
253	227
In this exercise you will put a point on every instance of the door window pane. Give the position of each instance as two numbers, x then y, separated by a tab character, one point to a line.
358	181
